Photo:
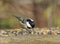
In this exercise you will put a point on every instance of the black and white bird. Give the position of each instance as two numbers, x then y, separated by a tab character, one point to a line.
29	23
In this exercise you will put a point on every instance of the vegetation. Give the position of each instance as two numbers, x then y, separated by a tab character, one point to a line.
43	12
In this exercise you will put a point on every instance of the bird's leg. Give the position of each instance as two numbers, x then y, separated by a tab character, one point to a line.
33	31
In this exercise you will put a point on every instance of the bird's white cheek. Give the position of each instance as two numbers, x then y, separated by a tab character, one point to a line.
31	20
27	23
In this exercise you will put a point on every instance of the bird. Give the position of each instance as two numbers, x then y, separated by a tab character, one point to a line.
28	22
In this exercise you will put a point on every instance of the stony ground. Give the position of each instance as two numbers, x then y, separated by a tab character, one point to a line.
30	39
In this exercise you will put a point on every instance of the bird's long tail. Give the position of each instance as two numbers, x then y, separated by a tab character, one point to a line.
19	18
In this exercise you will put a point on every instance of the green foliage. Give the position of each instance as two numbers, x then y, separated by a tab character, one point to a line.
6	23
9	23
48	11
57	21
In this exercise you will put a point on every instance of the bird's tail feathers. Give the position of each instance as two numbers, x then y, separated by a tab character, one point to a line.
19	18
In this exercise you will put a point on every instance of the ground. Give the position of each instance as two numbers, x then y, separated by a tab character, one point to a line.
31	39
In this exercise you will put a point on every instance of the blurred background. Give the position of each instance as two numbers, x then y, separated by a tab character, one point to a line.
46	13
